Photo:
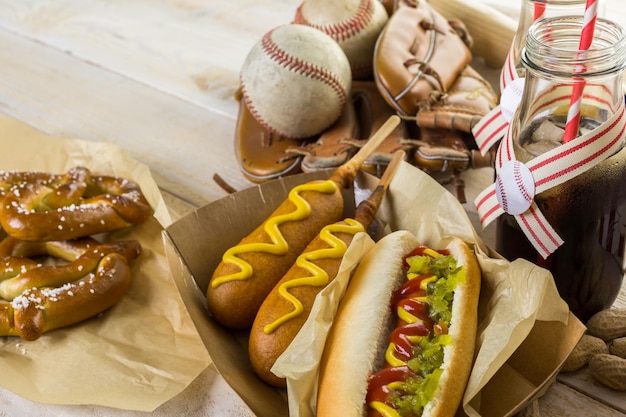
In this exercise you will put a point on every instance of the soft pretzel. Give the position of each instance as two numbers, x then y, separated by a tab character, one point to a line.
43	206
39	298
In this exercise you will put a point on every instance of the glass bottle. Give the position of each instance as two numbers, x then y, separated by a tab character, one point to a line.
588	211
530	11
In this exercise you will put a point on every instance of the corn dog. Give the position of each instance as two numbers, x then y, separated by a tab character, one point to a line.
287	307
249	270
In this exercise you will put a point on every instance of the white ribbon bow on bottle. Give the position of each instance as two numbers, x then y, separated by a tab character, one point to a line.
517	183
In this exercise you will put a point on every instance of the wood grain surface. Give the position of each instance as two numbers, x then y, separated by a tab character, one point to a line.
158	78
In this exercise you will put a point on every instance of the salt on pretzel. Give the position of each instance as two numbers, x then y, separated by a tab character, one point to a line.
40	298
42	206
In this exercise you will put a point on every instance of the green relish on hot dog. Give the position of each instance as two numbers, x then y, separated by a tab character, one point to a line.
403	338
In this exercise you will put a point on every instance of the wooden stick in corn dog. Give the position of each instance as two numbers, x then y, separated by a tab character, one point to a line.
249	270
288	305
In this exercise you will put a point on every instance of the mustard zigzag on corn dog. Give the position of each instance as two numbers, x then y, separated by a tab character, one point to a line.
279	245
277	322
319	277
233	302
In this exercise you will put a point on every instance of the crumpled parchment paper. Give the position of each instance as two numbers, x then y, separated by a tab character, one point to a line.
513	296
142	351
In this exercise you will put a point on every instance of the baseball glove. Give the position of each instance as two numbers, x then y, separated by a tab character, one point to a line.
445	153
419	53
261	154
461	106
362	118
441	152
332	148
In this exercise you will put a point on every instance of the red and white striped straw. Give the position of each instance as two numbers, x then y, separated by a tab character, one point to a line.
539	10
586	38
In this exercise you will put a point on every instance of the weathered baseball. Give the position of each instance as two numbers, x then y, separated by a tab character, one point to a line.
353	24
296	81
515	187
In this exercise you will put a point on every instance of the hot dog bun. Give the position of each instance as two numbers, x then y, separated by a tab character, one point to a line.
357	341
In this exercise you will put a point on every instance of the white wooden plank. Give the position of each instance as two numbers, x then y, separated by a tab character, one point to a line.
157	78
190	49
584	382
563	401
184	144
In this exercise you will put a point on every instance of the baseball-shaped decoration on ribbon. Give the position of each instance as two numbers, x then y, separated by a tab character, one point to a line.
353	24
511	97
515	187
296	81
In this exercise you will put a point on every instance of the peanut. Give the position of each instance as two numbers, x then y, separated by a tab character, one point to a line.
609	370
608	324
586	347
617	347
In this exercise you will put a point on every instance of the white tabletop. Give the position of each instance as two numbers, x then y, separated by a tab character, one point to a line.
158	78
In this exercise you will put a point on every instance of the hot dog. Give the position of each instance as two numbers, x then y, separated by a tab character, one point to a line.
289	304
249	270
414	358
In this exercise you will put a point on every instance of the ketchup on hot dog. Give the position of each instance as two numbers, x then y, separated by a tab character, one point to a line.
415	351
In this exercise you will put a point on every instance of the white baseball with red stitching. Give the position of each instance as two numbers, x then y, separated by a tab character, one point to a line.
353	24
296	81
515	187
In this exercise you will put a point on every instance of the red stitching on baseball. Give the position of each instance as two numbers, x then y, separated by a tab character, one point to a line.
503	201
291	63
253	110
520	181
343	30
306	69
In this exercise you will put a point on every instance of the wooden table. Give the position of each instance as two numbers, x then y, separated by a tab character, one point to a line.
158	78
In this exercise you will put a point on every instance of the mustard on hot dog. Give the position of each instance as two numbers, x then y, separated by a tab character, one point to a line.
403	339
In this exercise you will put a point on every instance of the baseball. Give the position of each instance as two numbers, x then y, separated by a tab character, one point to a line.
353	24
515	187
296	81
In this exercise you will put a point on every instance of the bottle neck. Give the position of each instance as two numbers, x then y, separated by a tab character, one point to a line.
552	47
533	10
555	67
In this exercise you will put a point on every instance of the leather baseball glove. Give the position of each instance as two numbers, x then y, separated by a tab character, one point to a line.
419	53
446	153
365	114
443	153
461	106
261	154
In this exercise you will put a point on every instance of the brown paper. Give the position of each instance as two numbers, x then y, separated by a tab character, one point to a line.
515	297
141	352
300	361
515	363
